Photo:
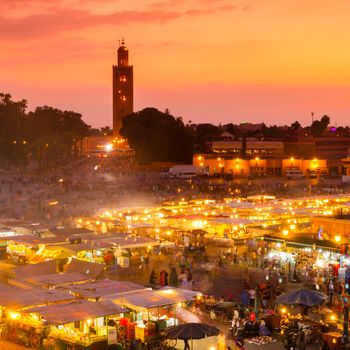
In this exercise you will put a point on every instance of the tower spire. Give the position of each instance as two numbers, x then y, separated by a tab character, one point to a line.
122	87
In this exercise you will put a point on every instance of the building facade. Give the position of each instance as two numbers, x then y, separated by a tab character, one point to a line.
258	167
332	148
123	88
253	148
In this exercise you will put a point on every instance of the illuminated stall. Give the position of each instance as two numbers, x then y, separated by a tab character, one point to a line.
154	309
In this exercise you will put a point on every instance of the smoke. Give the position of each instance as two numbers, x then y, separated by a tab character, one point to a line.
186	316
109	177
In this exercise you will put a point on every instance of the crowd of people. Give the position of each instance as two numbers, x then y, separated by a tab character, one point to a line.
117	180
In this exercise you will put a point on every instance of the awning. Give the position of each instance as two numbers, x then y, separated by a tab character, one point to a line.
97	289
79	310
16	298
131	242
148	299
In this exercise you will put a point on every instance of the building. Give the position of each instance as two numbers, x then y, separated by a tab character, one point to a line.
261	158
123	89
332	148
258	167
253	148
95	145
299	149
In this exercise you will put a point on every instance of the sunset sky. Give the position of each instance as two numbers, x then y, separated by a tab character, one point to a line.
206	60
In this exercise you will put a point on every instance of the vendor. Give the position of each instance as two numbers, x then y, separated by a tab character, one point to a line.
92	329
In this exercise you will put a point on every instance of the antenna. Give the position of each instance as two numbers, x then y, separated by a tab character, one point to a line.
312	117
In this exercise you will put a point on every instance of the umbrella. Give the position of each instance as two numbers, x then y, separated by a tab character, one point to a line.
306	297
191	331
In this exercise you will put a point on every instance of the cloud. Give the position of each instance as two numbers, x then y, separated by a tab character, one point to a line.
61	20
14	4
198	12
47	24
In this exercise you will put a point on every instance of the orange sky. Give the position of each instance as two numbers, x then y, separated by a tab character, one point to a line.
206	60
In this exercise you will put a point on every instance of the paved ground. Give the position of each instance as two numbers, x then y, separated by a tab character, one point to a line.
5	345
208	343
5	272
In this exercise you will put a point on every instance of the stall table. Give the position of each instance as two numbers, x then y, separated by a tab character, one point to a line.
333	339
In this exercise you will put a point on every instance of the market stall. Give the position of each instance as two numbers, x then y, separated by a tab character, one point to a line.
18	326
129	249
153	310
78	324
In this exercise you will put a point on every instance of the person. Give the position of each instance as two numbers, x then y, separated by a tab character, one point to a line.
331	292
161	280
252	295
220	262
187	345
212	314
221	341
166	282
239	344
234	323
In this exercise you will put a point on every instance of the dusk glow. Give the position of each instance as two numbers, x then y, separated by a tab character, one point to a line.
205	60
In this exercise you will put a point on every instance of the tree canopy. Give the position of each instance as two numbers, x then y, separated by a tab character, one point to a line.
46	133
318	127
157	136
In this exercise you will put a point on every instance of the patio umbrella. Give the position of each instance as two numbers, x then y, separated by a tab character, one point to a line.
305	297
191	331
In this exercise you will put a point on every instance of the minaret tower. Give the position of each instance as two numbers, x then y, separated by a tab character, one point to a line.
123	88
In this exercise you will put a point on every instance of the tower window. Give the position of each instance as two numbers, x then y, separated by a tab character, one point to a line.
123	98
122	78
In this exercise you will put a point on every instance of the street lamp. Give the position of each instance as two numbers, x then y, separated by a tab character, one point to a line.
108	147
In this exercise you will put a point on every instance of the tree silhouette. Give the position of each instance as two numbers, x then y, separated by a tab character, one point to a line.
45	134
157	136
318	127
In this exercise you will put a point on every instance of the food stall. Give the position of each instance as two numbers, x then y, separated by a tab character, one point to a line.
21	249
228	230
79	324
303	259
90	251
154	310
128	249
16	325
192	240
